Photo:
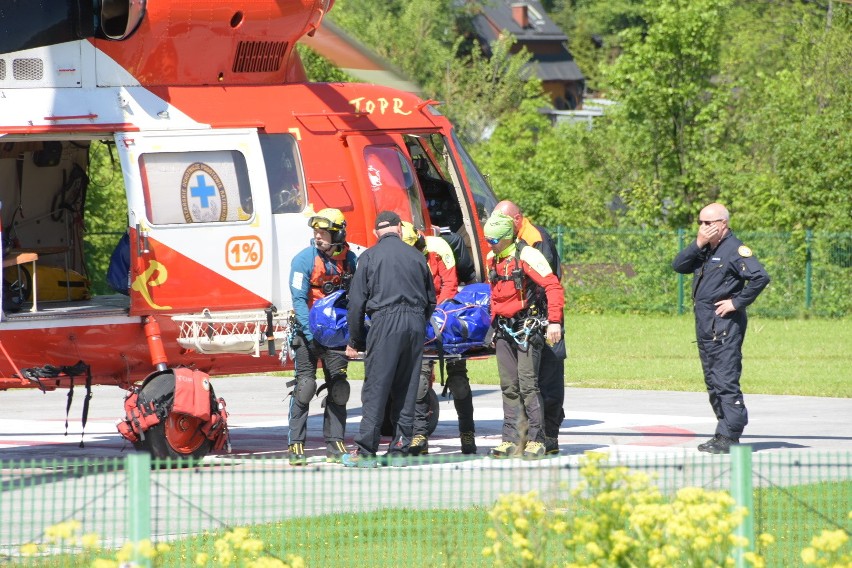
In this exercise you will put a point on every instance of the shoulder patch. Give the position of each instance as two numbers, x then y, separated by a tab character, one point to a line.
536	260
744	251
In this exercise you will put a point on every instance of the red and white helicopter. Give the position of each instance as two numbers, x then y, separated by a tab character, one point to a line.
225	149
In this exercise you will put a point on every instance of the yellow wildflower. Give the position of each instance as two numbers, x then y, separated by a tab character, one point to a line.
29	549
146	549
201	559
124	555
62	531
754	560
90	541
809	555
594	549
830	541
252	546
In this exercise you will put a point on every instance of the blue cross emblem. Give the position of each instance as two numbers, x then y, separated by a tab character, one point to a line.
202	191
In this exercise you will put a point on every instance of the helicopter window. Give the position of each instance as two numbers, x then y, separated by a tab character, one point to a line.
284	172
392	182
483	196
196	187
440	194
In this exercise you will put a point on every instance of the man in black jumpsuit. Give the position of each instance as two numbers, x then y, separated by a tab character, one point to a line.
394	287
727	278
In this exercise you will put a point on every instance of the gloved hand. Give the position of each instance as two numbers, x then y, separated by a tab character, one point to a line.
490	338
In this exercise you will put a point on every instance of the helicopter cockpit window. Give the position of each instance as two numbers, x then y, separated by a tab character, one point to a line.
284	172
393	183
196	187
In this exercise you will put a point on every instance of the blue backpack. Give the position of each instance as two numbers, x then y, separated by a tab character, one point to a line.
462	322
118	272
327	320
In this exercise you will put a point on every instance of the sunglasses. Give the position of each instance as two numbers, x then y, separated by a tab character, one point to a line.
492	242
700	222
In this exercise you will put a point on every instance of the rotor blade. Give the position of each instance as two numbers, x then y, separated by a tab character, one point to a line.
354	58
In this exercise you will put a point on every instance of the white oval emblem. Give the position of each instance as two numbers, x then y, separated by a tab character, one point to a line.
202	195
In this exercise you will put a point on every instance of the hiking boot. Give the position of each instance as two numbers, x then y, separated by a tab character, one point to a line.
468	441
704	446
297	453
533	451
504	450
334	451
419	445
395	459
722	445
551	446
357	459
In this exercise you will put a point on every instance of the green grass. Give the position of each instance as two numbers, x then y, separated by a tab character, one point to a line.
456	537
389	537
794	515
807	357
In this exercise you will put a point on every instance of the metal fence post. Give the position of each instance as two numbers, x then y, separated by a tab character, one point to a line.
139	503
680	279
560	242
743	494
809	266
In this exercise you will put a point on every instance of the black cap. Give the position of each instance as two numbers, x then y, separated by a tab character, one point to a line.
387	219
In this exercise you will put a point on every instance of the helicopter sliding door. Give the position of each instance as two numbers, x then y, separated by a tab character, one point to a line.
200	222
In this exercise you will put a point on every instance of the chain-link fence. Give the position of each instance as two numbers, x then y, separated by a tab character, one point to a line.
432	512
630	271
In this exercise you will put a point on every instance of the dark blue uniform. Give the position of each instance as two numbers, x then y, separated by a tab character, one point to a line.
728	272
551	374
394	287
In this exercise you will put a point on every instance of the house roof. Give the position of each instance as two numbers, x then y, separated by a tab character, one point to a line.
497	16
557	67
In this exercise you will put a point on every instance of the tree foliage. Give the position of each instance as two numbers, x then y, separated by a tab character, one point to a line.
431	41
743	101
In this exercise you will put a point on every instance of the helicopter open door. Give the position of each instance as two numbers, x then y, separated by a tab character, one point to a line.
200	221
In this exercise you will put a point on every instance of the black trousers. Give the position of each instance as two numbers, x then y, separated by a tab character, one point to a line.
391	367
551	383
459	385
334	364
721	360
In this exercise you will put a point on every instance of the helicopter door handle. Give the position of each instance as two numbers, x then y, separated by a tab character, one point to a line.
141	241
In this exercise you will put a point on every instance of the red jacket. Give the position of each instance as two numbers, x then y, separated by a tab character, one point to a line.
507	300
442	265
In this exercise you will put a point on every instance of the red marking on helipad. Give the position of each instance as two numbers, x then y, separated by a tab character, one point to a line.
663	436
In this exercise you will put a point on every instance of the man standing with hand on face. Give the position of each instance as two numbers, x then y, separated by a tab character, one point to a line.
727	278
394	287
